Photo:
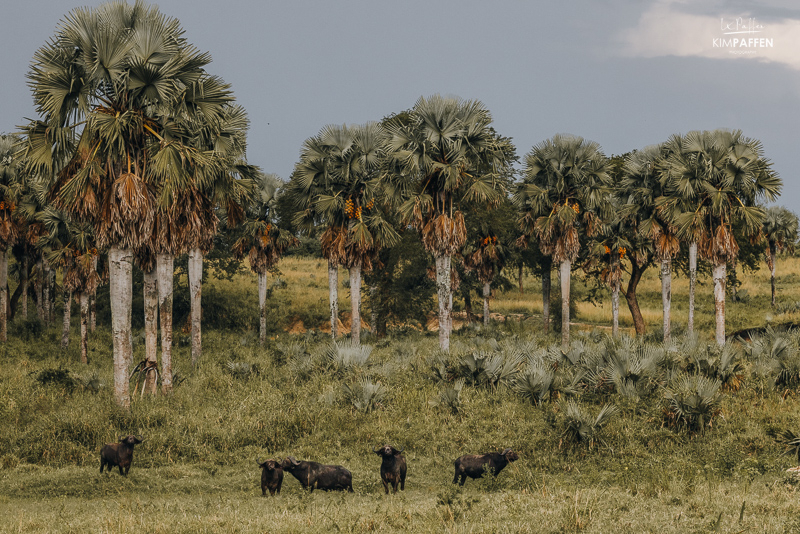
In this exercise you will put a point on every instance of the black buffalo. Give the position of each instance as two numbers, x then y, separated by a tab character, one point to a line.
119	454
314	475
393	468
271	476
475	465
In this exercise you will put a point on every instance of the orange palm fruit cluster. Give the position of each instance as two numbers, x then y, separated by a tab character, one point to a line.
348	208
608	250
576	208
358	213
371	203
622	251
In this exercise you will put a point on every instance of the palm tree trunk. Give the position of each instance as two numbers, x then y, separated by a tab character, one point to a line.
40	289
121	288
443	293
666	295
46	292
355	303
692	283
150	289
547	267
615	269
65	324
333	297
566	267
93	302
195	290
719	272
83	298
25	270
772	253
487	292
633	302
3	295
262	307
521	287
373	299
165	266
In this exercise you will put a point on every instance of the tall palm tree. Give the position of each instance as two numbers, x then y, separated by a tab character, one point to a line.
127	76
564	195
444	156
263	242
780	232
643	187
336	184
10	189
730	176
71	248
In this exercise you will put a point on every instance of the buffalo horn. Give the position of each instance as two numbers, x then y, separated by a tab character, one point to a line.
259	462
122	438
505	451
294	462
401	450
139	437
376	450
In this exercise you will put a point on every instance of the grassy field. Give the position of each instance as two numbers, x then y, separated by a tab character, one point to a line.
196	470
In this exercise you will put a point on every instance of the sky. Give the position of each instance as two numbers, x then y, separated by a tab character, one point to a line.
623	73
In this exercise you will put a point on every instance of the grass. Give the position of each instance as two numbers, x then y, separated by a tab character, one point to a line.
196	470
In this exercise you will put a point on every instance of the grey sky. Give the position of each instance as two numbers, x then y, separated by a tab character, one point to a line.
624	73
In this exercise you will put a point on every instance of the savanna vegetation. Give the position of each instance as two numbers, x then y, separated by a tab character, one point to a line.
131	196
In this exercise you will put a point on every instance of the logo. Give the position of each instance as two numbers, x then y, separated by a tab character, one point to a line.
741	36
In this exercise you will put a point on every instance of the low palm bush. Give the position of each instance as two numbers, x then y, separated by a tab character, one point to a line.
347	355
450	398
365	395
580	427
692	402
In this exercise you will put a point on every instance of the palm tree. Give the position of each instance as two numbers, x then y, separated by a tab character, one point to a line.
336	184
486	257
780	231
72	249
643	188
10	186
730	176
125	75
263	241
445	155
563	196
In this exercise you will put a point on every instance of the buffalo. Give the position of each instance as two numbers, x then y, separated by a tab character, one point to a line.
393	468
271	476
475	465
314	475
119	454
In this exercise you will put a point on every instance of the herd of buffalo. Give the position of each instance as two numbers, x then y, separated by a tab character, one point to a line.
313	475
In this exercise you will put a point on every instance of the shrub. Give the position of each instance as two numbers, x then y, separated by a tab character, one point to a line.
692	402
580	427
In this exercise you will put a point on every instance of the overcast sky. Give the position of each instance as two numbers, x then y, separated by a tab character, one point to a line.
624	73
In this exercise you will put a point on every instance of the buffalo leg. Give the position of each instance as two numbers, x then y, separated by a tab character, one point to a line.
385	486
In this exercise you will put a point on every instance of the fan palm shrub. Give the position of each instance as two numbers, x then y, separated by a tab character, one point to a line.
346	355
580	427
692	402
365	395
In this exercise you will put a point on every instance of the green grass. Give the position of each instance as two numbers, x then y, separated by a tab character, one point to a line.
196	470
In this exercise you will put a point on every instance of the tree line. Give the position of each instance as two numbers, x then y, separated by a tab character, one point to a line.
139	155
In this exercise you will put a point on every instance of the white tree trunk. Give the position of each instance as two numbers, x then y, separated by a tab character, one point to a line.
25	272
615	310
666	295
165	266
262	307
355	303
692	284
487	292
66	319
121	288
3	295
546	284
93	301
719	272
150	290
45	292
373	299
333	298
40	290
445	307
566	267
195	290
772	253
83	298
